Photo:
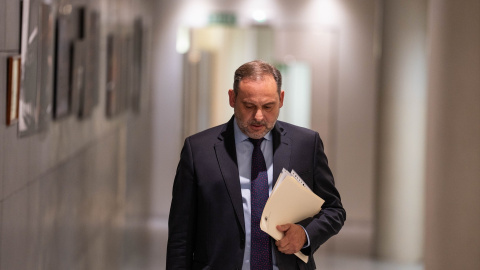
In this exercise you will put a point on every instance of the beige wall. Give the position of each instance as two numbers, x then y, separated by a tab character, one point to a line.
401	144
453	144
355	134
63	191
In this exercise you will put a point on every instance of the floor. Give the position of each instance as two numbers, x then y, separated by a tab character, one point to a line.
146	250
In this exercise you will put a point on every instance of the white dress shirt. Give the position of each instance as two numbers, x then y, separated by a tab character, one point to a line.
244	159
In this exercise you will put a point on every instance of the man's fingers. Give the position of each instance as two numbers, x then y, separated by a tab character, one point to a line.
283	228
281	243
293	239
287	249
284	241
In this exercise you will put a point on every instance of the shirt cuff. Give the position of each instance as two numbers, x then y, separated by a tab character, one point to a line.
308	238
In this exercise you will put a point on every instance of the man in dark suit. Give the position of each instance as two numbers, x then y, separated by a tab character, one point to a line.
225	175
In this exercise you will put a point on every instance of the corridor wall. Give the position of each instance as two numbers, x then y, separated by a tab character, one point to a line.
66	191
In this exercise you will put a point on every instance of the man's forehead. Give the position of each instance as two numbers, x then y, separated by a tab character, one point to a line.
257	78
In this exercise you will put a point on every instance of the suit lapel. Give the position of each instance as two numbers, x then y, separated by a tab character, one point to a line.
227	160
281	151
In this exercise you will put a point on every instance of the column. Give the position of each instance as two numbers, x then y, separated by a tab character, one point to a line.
453	137
401	154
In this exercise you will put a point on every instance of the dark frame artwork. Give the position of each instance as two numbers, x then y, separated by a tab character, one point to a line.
128	56
119	70
61	101
124	70
112	76
72	90
37	69
92	56
78	76
137	61
46	58
29	51
78	61
13	89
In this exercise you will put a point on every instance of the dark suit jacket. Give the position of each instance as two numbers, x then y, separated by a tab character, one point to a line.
206	224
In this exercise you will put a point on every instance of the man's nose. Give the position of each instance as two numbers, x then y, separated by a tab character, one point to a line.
259	115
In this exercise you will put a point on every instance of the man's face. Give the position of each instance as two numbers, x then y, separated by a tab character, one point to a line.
256	106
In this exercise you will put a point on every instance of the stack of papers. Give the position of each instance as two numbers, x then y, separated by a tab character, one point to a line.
291	201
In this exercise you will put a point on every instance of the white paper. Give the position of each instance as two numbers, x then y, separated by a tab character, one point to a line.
290	202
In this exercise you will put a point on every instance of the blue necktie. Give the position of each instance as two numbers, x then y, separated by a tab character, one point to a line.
260	252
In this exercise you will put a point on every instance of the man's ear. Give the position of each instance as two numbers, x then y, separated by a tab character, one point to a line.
282	94
231	98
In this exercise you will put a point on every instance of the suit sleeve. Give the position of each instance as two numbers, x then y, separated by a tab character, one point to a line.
182	213
331	218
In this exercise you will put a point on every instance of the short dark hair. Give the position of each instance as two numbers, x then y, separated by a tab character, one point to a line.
254	70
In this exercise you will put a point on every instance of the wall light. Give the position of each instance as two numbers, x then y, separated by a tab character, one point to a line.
183	40
259	16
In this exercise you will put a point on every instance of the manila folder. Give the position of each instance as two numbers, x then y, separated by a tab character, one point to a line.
290	203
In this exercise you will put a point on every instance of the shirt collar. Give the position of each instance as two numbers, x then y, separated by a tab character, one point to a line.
240	136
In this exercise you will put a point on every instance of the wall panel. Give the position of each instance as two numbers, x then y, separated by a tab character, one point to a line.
15	239
3	105
2	25
12	25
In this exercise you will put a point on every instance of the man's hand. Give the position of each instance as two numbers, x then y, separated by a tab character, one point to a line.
293	240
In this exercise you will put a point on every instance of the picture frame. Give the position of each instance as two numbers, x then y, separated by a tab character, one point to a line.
92	56
28	114
63	46
112	76
37	52
137	62
78	77
123	67
13	89
128	74
46	60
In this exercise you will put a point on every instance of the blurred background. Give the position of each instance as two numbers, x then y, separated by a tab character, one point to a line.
392	86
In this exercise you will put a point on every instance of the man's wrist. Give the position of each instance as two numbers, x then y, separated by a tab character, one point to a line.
307	242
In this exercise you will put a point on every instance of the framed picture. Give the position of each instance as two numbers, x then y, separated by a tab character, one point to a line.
78	77
137	65
46	60
38	32
13	88
28	114
112	76
128	58
80	14
92	56
124	67
63	46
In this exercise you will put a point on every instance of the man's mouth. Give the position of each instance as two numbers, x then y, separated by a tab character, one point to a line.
256	126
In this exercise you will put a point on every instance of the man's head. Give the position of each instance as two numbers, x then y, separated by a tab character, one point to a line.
256	97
